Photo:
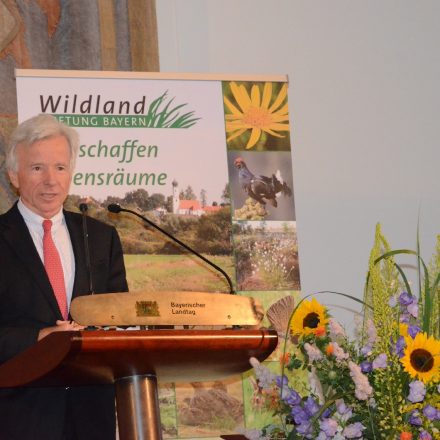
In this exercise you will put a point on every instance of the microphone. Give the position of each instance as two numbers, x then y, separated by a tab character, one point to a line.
116	209
83	208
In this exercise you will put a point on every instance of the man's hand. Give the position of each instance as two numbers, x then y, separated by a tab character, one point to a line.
61	326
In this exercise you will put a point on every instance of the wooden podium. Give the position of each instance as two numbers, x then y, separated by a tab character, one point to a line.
134	361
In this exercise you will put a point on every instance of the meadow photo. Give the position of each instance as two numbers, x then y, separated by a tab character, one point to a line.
266	255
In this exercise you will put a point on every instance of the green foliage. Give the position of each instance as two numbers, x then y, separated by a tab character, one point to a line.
382	284
213	232
187	194
161	115
226	195
176	272
434	270
251	210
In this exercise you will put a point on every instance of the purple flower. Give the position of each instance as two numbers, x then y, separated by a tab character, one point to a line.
400	346
404	318
329	427
344	412
299	415
425	435
293	398
366	367
413	309
415	418
326	414
405	299
366	350
380	361
417	391
311	406
392	301
413	330
354	430
281	381
305	429
430	412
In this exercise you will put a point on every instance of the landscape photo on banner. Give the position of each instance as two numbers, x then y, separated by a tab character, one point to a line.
209	160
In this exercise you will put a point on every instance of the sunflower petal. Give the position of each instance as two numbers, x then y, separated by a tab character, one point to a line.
267	95
245	100
255	136
232	108
255	96
236	134
273	133
284	110
279	99
241	99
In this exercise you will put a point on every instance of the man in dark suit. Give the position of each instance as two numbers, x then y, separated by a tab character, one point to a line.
33	303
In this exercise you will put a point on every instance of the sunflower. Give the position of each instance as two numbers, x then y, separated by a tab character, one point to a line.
309	318
422	357
256	113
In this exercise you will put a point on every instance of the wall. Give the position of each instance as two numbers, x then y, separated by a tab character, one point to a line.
364	98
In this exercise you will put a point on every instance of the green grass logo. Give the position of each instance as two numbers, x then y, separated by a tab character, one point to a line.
162	115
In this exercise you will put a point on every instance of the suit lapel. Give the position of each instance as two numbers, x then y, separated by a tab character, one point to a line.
16	234
74	225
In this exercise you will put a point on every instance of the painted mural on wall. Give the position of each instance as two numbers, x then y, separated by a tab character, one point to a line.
210	162
56	34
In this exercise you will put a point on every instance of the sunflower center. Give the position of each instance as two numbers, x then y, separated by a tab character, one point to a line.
421	360
311	320
257	117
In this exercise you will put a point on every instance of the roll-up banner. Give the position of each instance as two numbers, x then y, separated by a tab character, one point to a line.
207	157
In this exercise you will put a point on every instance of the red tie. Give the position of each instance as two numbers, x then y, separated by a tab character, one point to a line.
54	269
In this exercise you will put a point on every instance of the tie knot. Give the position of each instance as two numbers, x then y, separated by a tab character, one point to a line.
47	225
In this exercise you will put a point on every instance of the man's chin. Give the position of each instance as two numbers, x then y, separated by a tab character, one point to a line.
49	209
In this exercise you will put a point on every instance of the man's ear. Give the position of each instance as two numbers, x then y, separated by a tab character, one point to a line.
13	177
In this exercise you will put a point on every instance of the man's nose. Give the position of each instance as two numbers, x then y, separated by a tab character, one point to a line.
50	176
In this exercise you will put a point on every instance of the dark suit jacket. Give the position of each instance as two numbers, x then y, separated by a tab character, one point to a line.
28	304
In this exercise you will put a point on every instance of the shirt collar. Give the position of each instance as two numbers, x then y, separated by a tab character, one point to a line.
32	218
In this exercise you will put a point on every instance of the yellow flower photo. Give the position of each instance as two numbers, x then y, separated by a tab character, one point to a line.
257	118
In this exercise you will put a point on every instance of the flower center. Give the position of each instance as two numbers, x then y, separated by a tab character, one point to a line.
311	320
257	117
421	360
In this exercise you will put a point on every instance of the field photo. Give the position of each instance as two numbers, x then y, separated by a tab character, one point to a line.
153	261
266	255
209	409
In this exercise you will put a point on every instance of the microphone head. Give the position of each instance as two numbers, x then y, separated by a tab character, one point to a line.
83	207
114	207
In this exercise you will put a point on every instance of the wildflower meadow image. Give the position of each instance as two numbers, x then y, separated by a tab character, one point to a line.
266	255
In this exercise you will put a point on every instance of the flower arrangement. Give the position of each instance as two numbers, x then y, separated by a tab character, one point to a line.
381	384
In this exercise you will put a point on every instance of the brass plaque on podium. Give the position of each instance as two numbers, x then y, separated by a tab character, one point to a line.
166	308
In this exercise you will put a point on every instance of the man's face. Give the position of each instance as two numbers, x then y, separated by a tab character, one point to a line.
44	175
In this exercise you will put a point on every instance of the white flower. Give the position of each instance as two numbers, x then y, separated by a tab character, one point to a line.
265	377
338	352
363	388
335	329
316	386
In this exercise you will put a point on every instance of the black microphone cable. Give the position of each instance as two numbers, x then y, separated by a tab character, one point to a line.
83	208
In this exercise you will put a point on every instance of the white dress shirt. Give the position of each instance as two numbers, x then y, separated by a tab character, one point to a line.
61	238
